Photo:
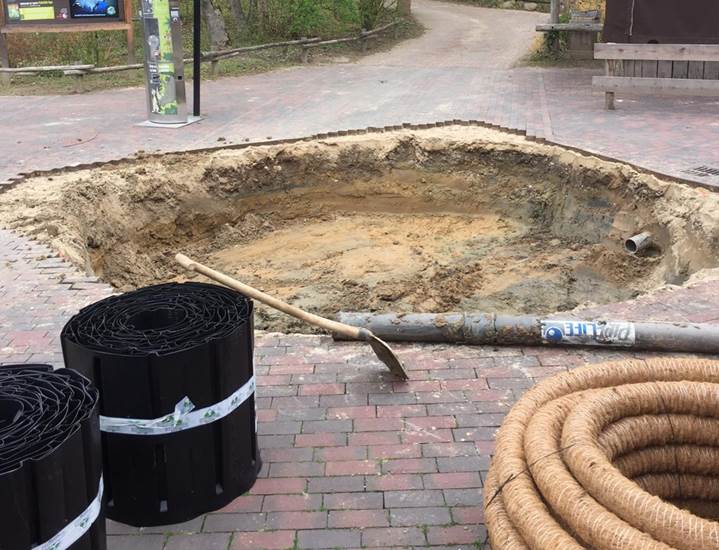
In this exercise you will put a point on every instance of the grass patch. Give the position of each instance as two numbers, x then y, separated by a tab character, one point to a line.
252	63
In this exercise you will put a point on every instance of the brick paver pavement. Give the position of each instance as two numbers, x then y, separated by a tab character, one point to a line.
351	458
462	68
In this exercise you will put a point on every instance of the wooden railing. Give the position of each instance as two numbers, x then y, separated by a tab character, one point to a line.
213	57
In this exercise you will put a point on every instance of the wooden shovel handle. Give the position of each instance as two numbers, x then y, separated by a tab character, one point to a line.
347	331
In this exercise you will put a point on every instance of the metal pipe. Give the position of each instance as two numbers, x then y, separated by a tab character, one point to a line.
637	243
497	330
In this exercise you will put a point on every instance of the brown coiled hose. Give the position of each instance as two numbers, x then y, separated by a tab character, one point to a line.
622	455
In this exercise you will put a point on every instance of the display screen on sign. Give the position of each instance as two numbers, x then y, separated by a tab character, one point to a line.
93	8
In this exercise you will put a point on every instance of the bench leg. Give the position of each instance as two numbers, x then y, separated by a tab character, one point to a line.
609	101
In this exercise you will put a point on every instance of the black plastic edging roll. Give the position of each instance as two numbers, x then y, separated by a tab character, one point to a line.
173	364
50	460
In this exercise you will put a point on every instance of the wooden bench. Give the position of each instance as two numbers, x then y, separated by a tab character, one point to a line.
669	69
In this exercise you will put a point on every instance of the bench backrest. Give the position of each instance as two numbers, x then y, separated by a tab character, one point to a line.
658	52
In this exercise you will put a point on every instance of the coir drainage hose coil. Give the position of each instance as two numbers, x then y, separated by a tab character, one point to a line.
50	460
173	364
621	455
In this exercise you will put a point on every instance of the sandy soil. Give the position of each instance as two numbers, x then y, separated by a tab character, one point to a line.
440	220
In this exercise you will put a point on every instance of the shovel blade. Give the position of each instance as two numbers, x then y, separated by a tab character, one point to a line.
387	356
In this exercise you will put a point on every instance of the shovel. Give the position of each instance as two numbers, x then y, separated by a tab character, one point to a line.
381	349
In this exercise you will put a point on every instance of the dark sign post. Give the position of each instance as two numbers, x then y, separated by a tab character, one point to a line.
196	56
24	16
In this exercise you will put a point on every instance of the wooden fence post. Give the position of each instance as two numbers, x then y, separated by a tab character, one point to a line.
554	12
305	56
4	58
130	33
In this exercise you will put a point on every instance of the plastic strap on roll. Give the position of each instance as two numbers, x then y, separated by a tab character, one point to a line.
50	460
184	417
173	364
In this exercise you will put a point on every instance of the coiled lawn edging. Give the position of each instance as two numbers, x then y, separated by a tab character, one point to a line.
612	456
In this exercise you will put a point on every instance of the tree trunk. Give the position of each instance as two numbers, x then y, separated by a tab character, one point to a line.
241	20
215	25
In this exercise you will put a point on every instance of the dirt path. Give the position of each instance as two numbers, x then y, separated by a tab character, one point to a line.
460	35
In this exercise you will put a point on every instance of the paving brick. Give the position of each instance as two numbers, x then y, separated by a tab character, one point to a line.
404	398
457	534
234	522
266	415
374	438
449	449
276	391
245	503
431	422
135	542
294	520
394	482
412	517
335	483
378	424
416	386
391	536
315	378
287	503
468	515
342	401
329	538
279	486
485	419
322	389
352	467
453	480
186	527
367	411
409	465
322	440
274	441
294	469
407	499
510	383
425	436
475	434
214	541
271	540
463	497
274	380
279	428
286	454
395	451
326	426
353	501
463	463
330	454
403	411
358	518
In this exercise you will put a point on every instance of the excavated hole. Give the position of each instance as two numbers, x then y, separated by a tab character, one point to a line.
433	221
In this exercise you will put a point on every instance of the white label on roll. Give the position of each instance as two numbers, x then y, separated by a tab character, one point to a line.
184	417
77	527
